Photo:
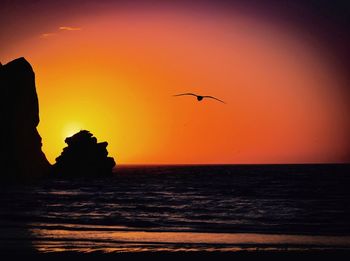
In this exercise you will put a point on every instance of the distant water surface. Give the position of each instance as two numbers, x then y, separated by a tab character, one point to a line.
188	208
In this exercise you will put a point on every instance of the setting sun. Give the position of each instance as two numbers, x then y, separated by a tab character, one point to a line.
70	129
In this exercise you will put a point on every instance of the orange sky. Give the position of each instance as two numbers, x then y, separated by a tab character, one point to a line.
115	74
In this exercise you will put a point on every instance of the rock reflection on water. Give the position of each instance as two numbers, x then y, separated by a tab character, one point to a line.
86	238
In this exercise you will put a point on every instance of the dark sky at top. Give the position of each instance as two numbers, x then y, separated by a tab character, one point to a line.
326	21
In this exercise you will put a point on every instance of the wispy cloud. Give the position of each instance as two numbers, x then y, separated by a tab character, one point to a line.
46	35
69	28
60	29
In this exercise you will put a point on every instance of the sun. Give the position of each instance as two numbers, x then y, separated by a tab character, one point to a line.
70	129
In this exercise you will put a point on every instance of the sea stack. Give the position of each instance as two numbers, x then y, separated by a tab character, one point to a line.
21	155
83	157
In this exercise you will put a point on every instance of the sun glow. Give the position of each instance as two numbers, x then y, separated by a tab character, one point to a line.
70	129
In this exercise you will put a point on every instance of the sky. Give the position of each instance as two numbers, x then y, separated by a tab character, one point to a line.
112	67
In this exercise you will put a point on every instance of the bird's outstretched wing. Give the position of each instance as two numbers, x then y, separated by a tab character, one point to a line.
181	94
212	97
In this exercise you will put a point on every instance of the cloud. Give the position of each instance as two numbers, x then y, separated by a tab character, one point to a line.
46	35
60	29
69	28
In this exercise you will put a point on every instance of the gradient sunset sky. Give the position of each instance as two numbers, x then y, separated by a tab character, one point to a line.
111	67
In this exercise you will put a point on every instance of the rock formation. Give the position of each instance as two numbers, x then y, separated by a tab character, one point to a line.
83	156
20	151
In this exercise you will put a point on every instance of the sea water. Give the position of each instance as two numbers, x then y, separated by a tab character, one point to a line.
182	208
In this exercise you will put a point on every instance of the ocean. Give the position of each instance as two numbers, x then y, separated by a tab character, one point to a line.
220	208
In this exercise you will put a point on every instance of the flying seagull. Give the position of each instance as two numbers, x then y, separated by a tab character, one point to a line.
200	97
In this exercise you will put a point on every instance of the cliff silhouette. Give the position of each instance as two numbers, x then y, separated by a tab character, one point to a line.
83	156
20	152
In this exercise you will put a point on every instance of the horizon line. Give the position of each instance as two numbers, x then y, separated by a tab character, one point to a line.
229	164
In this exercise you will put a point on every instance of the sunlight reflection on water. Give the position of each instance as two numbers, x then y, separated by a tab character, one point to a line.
85	238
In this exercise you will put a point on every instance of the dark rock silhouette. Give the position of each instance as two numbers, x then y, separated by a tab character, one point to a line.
20	151
84	156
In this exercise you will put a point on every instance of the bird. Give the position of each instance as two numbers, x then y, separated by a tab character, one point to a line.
200	97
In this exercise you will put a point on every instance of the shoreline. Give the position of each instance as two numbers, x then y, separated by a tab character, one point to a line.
43	241
238	255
